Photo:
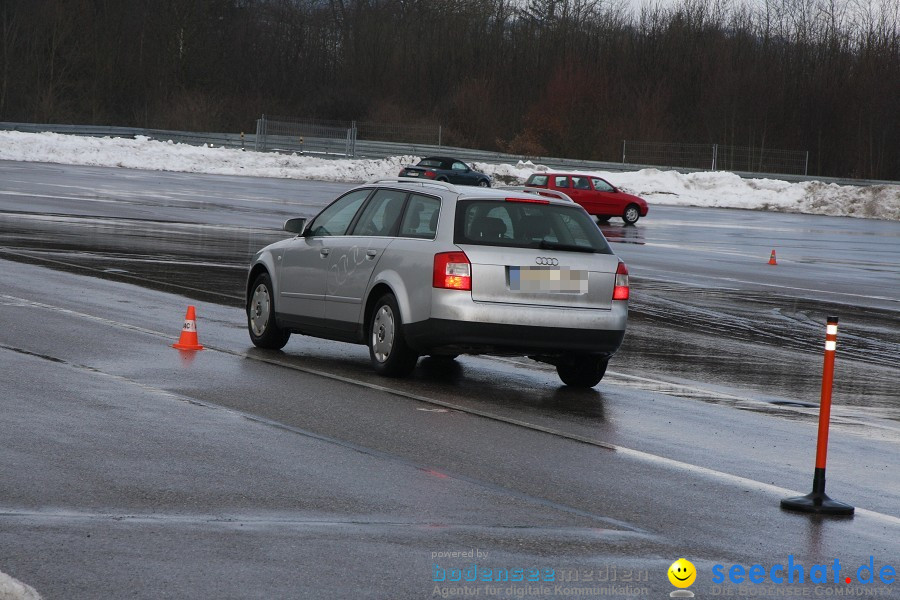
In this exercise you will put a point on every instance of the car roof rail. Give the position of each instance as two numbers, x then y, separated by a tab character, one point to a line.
536	191
422	182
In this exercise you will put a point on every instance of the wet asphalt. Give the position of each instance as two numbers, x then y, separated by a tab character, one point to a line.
129	468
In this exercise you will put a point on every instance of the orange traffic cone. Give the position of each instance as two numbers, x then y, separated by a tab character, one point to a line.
188	339
772	259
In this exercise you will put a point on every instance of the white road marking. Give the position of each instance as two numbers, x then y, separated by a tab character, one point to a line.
76	198
646	457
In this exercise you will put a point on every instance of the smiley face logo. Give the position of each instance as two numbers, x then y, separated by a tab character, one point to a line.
682	573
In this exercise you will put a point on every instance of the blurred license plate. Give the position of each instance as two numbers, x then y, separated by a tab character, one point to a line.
548	279
412	174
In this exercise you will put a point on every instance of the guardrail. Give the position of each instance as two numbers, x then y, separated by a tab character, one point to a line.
330	148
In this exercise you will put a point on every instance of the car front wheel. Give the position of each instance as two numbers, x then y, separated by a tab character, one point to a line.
484	183
632	214
390	355
264	331
582	371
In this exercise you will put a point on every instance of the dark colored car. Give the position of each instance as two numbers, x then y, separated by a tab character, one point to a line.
598	196
451	170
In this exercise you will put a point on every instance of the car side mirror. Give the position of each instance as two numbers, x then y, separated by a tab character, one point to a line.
295	225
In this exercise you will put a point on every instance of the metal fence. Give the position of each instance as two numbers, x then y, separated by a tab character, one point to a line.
382	149
716	157
279	134
316	136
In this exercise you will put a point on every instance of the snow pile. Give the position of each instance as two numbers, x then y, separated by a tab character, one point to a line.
144	153
720	189
710	189
13	589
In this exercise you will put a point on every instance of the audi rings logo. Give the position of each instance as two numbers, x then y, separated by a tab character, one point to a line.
546	260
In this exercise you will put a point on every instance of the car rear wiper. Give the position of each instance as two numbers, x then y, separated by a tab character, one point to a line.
545	245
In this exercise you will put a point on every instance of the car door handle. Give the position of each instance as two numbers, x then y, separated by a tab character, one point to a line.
370	254
324	252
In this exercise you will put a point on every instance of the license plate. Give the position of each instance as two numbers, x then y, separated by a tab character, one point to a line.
412	174
548	279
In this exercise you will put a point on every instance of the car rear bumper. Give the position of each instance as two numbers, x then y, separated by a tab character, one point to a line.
458	324
459	337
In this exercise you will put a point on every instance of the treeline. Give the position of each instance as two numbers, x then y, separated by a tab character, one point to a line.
542	77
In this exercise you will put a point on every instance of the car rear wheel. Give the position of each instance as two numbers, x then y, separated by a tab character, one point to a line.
632	214
264	331
582	371
390	355
444	179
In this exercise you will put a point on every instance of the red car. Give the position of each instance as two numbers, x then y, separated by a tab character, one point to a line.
598	196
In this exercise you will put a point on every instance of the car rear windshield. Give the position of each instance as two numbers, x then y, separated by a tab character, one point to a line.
537	180
527	224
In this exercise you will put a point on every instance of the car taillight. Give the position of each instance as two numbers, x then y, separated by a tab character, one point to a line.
452	271
430	174
620	291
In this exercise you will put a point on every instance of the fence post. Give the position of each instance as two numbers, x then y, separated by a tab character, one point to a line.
256	139
440	131
263	133
715	156
623	152
806	165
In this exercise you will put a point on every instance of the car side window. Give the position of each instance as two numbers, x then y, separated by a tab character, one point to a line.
458	166
537	180
335	219
561	182
601	186
381	214
420	218
581	183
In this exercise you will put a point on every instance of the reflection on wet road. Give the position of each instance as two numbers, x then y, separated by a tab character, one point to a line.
737	324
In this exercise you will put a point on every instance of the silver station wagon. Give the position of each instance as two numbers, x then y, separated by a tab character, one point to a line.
412	268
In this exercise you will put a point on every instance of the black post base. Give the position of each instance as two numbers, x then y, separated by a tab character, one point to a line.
817	501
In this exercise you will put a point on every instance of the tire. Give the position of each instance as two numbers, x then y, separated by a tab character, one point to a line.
602	219
582	371
390	355
442	178
632	214
264	331
484	183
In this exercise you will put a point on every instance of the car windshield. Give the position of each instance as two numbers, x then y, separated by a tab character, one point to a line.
527	224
